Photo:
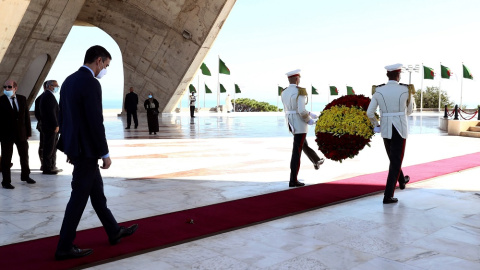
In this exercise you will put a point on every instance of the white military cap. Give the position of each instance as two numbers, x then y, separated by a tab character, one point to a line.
394	67
292	73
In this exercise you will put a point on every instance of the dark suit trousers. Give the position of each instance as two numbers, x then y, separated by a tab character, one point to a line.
40	149
87	182
7	152
192	111
49	155
395	148
299	144
129	118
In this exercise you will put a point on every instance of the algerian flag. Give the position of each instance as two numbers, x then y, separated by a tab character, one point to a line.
280	90
428	73
222	68
192	88
222	89
446	72
333	91
466	73
237	89
207	90
205	70
314	91
350	90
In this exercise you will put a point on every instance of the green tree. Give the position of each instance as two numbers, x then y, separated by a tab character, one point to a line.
430	98
251	105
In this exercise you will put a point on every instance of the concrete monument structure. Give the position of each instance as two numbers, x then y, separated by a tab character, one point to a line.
163	43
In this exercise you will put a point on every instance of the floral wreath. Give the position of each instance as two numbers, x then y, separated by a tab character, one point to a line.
343	128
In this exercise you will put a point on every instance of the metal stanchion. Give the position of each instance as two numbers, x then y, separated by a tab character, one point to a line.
456	112
445	115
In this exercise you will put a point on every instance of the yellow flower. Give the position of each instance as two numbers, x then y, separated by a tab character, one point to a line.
341	120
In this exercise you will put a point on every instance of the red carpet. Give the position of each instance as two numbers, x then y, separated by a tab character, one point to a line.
169	229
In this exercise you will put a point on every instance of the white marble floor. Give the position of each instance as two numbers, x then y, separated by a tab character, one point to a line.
435	225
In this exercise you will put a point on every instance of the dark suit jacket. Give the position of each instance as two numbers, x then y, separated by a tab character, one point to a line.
131	102
14	128
81	117
37	112
48	112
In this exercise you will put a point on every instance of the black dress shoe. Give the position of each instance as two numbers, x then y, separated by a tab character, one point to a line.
403	184
29	180
136	127
127	128
7	186
73	253
387	200
296	184
123	232
50	172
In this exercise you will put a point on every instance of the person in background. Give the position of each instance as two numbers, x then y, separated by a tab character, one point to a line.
151	105
193	99
39	125
48	110
228	104
298	119
15	129
84	143
395	102
131	102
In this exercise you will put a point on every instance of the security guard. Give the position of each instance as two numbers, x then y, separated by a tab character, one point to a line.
298	118
395	102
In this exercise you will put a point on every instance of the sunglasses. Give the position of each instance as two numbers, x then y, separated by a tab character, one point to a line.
8	86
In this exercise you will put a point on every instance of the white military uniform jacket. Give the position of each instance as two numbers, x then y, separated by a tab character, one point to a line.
192	100
294	106
392	100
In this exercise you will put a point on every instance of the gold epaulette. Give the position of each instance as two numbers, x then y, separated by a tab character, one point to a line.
411	88
302	91
374	87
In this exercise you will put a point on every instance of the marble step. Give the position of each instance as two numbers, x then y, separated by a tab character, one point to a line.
470	134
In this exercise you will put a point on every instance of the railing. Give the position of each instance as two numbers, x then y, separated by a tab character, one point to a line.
463	114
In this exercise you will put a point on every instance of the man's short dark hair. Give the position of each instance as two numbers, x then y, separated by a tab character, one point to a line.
392	75
94	52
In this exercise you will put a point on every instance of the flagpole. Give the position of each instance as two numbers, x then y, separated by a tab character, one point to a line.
218	85
277	96
311	97
198	87
440	88
421	89
461	88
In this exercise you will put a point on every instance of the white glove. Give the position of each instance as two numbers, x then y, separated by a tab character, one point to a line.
314	116
311	122
376	129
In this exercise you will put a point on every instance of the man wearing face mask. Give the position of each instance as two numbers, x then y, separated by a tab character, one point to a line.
15	129
48	112
84	142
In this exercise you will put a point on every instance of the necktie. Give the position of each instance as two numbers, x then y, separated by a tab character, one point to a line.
14	105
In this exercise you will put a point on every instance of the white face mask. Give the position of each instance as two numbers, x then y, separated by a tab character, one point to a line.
8	93
56	89
102	73
149	96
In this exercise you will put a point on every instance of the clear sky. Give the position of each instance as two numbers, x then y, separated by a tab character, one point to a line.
343	42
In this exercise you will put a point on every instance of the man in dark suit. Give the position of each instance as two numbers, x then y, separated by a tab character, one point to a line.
39	125
131	102
84	142
48	110
16	129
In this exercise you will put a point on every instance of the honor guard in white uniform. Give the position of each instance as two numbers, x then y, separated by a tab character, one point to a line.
192	104
395	102
298	118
